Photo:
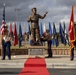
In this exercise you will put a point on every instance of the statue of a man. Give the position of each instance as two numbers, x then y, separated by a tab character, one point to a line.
34	27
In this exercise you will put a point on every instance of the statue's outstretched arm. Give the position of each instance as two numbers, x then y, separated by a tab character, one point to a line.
42	17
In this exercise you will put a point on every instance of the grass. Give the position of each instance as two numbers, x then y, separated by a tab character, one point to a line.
61	46
17	47
27	45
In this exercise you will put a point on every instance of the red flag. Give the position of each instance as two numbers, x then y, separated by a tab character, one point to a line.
71	26
71	33
11	32
10	28
15	36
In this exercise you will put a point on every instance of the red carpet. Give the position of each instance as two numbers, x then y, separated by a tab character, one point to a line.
35	62
34	66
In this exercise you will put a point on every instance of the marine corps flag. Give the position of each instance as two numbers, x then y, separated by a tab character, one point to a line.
71	28
71	34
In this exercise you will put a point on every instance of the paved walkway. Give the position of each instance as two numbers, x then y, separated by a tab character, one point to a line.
58	61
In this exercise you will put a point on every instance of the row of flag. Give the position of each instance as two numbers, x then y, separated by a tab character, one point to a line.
55	39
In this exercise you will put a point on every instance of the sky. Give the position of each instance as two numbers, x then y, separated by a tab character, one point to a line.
58	11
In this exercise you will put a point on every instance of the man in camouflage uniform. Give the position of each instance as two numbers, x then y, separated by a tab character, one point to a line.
34	19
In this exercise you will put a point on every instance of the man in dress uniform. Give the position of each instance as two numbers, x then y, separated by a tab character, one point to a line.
34	19
5	42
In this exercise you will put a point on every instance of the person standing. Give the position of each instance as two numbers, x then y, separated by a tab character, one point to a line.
34	19
72	54
72	51
6	43
49	43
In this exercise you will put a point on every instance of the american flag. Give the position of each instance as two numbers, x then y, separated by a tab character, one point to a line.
3	21
2	27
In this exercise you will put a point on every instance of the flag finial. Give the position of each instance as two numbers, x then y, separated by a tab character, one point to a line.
4	4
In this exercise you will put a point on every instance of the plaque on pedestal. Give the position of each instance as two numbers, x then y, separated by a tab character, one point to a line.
36	51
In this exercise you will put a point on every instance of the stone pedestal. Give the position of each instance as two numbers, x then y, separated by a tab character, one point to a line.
36	51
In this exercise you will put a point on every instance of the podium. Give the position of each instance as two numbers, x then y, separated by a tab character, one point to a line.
36	51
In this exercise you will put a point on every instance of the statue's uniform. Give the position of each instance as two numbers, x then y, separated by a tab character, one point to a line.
34	19
34	26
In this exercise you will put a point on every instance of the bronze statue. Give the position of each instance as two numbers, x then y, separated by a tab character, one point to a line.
34	27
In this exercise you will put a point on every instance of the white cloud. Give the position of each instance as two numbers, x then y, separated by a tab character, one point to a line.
65	19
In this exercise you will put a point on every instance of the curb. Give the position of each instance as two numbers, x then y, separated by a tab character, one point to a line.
48	65
61	65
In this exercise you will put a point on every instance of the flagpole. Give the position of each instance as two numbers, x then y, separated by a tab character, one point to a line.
4	12
64	37
17	11
25	32
18	15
